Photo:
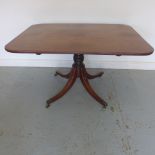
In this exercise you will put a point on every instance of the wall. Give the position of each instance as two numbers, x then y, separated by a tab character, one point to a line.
17	15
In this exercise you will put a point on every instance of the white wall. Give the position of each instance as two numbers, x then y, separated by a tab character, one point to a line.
17	15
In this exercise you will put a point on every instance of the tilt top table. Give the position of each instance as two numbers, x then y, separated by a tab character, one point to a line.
79	39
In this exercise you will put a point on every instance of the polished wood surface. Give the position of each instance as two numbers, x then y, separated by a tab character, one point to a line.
103	39
79	39
69	84
78	71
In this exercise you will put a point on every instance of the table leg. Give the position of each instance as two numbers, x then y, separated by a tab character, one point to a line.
63	75
89	76
87	86
78	70
68	85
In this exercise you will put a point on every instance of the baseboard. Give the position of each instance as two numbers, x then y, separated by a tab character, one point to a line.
88	63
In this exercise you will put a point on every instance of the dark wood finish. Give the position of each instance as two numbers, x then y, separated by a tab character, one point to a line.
78	70
84	80
67	76
79	39
68	85
89	76
103	39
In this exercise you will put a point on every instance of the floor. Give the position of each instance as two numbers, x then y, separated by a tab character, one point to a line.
76	124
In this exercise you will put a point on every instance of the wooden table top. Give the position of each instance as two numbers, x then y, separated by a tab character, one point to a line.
103	39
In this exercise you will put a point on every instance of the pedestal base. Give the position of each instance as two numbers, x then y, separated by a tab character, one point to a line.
78	70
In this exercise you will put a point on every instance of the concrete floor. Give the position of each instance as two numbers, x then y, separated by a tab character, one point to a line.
76	124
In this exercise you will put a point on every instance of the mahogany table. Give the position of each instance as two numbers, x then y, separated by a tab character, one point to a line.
79	39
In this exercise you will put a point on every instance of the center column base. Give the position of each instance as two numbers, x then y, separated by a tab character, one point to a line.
78	70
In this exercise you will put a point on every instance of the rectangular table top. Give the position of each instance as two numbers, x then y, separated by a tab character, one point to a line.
103	39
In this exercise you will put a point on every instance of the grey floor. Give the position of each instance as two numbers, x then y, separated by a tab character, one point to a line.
76	124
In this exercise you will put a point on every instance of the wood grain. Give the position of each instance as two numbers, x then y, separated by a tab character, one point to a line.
103	39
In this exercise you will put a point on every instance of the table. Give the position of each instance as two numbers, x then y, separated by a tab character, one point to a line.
79	39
